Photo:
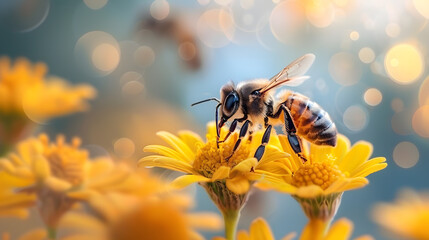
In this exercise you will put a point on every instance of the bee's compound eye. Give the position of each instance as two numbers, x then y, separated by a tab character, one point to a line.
256	92
231	104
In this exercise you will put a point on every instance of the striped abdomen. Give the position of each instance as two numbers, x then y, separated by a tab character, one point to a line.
312	122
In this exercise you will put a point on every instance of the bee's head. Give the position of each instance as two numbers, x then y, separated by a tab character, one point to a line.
230	100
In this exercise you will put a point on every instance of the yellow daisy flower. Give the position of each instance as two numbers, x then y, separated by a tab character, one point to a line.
226	182
59	175
25	93
407	217
260	230
159	216
319	183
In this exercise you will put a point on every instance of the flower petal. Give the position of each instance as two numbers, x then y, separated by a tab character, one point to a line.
56	184
166	162
244	166
205	221
167	152
41	167
357	155
37	234
185	180
191	139
259	230
238	185
370	166
342	229
310	191
343	146
242	235
221	173
177	144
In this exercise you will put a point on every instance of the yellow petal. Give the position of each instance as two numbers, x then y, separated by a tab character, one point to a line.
243	235
365	237
281	187
56	184
75	220
221	173
319	153
195	236
205	221
218	238
295	161
259	230
191	139
98	167
272	154
310	191
357	155
354	183
83	194
37	234
41	167
185	180
343	146
244	166
238	185
341	229
7	166
166	151
166	162
314	230
290	236
370	166
177	144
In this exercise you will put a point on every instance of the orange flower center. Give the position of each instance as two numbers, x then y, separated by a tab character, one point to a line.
322	174
209	157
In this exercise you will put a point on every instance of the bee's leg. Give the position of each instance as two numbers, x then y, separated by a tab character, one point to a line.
294	140
243	132
261	149
232	128
250	136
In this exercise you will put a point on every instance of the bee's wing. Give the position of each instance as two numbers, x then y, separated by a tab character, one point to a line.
292	73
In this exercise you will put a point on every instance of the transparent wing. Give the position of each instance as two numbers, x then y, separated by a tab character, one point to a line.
292	73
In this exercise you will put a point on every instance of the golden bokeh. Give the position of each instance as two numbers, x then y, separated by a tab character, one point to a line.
366	55
187	51
286	19
160	9
95	4
404	63
132	88
345	68
354	35
422	6
392	30
421	121
215	28
424	92
373	96
105	57
124	147
144	56
355	118
406	155
401	123
320	13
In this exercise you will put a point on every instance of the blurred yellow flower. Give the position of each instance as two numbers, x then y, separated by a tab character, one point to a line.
36	234
341	230
14	204
59	174
25	92
226	182
157	216
407	217
318	184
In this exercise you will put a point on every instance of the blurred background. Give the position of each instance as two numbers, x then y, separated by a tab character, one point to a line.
149	60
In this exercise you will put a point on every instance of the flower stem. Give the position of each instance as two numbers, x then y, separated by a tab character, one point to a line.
231	219
52	233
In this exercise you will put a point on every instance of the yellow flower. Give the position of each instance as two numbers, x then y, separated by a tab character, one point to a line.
408	216
25	93
318	184
341	230
226	182
156	215
59	174
14	204
204	162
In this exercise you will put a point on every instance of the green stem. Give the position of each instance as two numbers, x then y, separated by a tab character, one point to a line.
231	219
52	233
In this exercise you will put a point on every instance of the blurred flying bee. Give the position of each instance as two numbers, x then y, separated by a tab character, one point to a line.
253	103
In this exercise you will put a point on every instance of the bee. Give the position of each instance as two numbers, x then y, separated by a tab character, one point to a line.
254	102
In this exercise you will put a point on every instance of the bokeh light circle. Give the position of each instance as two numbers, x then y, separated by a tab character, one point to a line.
124	147
366	55
401	123
424	92
95	4
320	13
215	28
420	121
286	20
405	155
354	35
98	50
187	51
404	63
355	118
345	68
159	9
373	96
24	15
144	56
393	30
397	105
422	6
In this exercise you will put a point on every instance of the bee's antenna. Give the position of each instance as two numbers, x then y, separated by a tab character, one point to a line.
206	100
